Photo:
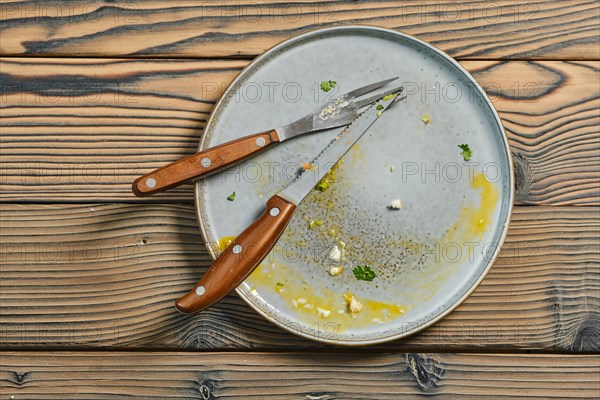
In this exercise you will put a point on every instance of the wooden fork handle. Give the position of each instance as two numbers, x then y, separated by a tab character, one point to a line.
240	258
203	163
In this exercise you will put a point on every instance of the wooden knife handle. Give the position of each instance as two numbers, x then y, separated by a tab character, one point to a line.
240	258
203	163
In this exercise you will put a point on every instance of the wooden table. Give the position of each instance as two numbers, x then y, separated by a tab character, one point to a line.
95	93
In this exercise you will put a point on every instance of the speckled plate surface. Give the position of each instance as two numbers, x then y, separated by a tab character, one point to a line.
429	255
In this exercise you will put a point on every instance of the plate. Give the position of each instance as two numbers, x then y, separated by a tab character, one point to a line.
430	254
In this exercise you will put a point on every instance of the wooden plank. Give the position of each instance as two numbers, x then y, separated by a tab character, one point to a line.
503	29
322	376
80	130
79	276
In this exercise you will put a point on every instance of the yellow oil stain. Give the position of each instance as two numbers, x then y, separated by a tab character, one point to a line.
481	217
314	303
225	241
474	221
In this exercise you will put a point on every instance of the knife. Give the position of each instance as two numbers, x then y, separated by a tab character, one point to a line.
248	250
337	112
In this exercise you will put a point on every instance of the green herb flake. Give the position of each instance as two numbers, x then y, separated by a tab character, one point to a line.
231	197
466	152
379	107
364	273
326	86
323	185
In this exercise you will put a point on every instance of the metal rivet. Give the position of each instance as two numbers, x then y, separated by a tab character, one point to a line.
237	249
200	290
274	211
260	141
205	162
150	182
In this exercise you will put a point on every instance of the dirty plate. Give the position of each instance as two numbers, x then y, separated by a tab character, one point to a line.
427	256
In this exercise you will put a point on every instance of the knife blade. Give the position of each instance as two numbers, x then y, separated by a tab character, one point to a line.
248	250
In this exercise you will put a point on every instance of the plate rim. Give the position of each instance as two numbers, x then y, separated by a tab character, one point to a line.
511	183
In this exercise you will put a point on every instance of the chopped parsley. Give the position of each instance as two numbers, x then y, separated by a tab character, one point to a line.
326	86
379	107
329	178
231	197
466	151
364	273
323	185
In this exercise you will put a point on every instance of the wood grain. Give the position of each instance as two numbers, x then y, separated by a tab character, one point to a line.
81	130
503	29
83	276
323	376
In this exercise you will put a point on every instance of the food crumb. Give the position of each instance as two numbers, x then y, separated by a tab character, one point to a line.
323	313
335	254
395	204
354	306
426	120
392	168
334	271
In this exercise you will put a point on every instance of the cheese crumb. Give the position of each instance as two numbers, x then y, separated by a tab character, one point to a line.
392	168
334	271
335	254
396	204
354	306
323	313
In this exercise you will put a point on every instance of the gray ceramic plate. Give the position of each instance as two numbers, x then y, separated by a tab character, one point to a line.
429	255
